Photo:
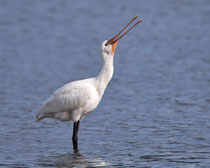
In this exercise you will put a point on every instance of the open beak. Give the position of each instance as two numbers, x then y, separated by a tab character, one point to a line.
116	39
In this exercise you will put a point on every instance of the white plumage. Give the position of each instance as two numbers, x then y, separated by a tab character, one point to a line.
71	101
74	100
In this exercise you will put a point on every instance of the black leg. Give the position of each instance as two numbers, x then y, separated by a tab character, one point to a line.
75	136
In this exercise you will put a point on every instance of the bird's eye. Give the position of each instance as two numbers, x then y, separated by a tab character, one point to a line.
107	43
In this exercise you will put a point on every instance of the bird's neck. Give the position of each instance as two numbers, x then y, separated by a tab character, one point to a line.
104	76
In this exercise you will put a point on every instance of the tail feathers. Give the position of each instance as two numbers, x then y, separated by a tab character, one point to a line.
39	118
40	115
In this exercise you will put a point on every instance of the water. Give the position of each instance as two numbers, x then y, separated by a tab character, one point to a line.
155	112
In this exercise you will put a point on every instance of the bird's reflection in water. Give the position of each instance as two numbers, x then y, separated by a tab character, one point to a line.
71	160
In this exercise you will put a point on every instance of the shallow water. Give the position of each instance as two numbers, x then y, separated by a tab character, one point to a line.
155	112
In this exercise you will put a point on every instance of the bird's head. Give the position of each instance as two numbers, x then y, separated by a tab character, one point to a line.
108	47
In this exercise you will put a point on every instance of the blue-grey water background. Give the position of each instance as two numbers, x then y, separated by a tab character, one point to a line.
155	111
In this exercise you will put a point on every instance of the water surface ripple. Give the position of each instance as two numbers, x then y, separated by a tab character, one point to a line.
155	112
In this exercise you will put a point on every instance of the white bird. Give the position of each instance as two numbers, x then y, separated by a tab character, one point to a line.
75	99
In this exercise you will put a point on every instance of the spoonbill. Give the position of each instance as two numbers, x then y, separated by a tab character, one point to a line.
75	99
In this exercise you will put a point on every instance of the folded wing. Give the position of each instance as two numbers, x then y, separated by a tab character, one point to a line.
67	98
